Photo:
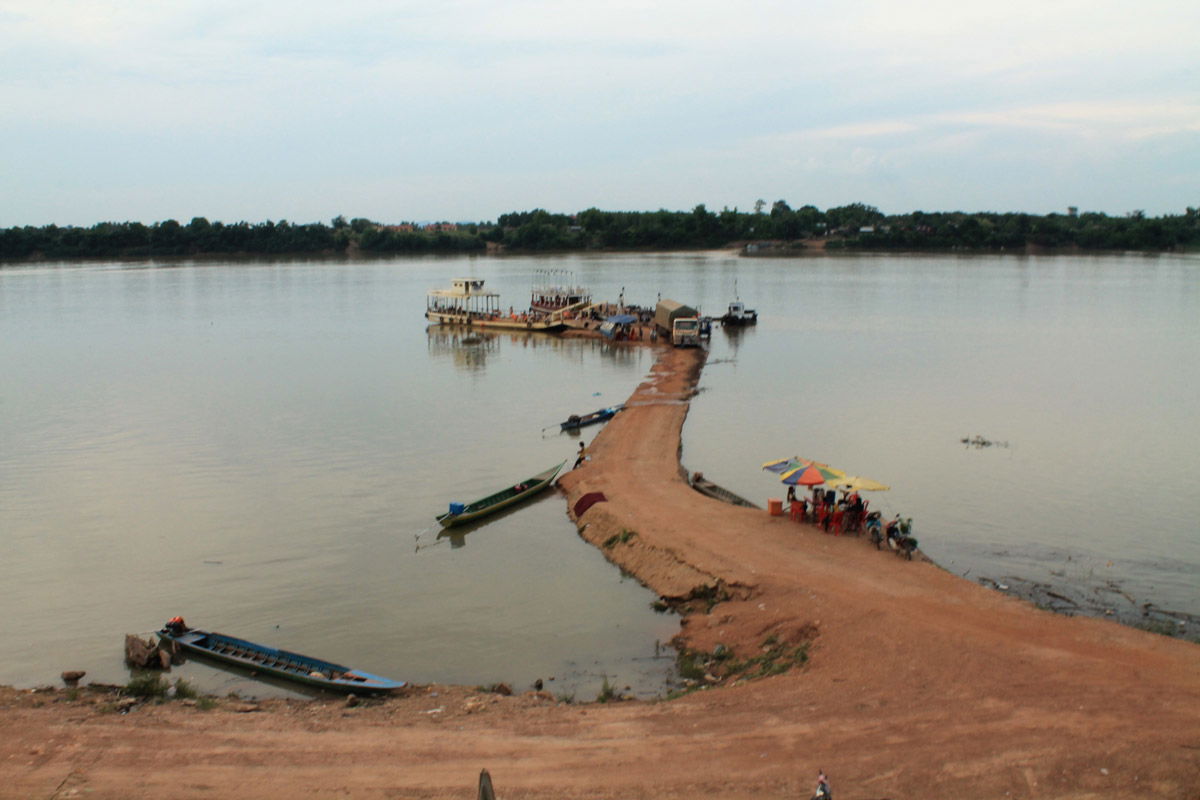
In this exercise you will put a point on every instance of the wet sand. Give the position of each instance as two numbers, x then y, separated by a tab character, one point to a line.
916	683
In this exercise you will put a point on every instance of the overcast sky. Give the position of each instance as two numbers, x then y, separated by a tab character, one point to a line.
464	109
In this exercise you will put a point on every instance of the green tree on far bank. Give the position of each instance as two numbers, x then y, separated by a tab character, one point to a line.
856	226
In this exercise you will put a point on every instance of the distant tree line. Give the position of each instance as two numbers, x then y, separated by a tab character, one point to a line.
201	237
852	227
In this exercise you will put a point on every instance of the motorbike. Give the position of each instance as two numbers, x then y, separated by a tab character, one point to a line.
891	532
900	538
875	528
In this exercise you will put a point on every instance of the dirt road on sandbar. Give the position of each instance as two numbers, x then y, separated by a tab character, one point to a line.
897	678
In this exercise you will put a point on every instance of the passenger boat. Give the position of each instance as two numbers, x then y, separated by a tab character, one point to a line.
518	492
575	422
557	293
274	662
707	487
467	302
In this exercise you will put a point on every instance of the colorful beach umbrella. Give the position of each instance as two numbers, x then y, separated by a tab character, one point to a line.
781	465
861	484
812	474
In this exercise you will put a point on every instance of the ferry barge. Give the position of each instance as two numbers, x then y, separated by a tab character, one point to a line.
467	302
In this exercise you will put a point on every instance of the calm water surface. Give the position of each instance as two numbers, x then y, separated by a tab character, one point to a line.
262	447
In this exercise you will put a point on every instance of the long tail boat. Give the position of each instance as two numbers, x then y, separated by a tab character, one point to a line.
518	492
575	422
274	662
707	487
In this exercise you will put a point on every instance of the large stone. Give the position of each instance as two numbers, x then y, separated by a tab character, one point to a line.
143	654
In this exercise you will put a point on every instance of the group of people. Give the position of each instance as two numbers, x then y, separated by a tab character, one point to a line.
827	511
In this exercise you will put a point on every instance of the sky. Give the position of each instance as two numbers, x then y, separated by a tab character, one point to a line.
463	110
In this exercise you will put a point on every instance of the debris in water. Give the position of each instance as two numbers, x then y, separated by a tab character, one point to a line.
979	442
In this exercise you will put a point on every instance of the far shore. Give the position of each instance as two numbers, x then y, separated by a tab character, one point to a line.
806	652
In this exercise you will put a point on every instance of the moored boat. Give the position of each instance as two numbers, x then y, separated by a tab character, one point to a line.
738	314
274	662
575	421
467	302
557	294
509	496
710	489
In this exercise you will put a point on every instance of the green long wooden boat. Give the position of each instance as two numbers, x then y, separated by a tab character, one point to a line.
509	496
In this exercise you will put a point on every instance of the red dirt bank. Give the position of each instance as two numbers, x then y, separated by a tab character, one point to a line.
919	683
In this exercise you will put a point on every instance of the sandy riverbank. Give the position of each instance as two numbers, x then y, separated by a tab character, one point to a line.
917	683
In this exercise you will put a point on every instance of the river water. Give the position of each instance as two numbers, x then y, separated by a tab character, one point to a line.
262	447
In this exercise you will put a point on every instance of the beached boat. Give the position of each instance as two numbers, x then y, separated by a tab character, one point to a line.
276	663
467	302
707	487
518	492
575	422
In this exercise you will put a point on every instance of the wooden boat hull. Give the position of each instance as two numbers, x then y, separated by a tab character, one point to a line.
494	323
710	489
279	663
504	498
601	415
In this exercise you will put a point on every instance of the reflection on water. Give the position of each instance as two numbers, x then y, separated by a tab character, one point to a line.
469	350
274	438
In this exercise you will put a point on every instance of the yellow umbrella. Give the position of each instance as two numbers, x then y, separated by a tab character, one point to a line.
860	484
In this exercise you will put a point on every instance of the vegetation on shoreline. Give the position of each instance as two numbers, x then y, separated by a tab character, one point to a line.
852	227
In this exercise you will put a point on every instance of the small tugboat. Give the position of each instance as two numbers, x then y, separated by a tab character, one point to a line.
738	314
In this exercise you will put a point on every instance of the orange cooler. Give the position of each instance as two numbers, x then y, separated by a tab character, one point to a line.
774	506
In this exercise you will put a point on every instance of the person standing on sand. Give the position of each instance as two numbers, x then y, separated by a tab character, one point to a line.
823	792
581	457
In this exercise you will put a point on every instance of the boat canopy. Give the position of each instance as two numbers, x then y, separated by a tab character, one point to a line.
466	296
464	287
622	319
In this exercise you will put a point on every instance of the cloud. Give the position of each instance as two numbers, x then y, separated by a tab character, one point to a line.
626	99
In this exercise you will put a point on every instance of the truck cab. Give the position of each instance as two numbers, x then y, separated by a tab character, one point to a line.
685	332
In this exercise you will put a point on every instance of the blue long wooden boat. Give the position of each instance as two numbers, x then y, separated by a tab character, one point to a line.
518	492
575	422
277	663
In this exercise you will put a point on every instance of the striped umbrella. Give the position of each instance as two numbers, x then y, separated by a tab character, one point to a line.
812	474
784	464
